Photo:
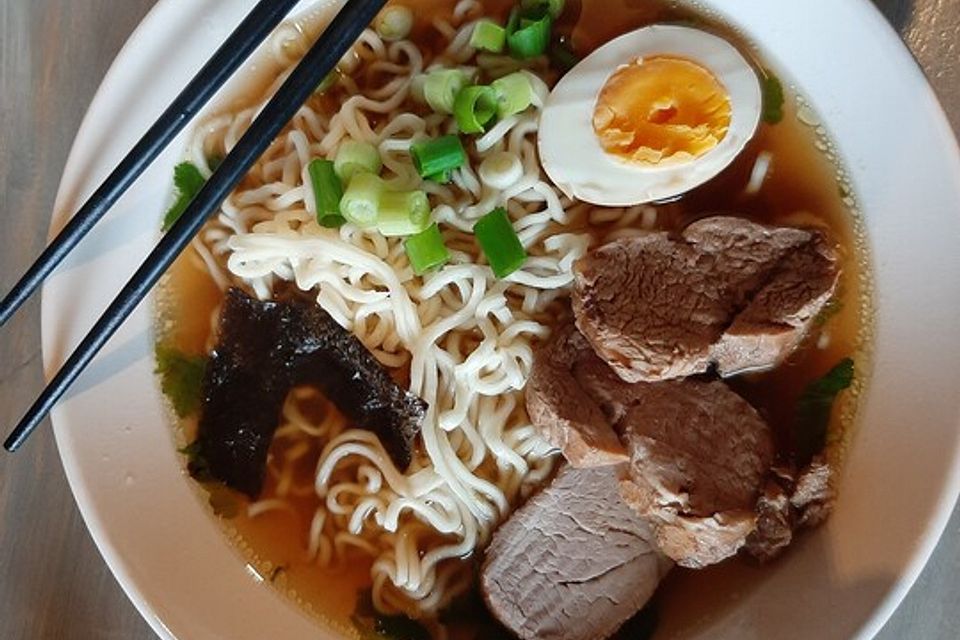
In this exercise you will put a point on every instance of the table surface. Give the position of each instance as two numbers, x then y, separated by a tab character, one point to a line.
53	54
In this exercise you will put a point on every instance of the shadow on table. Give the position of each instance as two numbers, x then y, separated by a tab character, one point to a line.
898	12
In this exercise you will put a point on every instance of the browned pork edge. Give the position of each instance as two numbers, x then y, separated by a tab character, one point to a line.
698	452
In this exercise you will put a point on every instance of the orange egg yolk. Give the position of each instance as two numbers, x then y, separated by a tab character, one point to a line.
661	109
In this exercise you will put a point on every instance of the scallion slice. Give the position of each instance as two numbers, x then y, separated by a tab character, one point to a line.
354	157
394	23
327	193
474	108
514	93
489	36
361	201
441	86
500	243
403	213
436	156
529	34
426	250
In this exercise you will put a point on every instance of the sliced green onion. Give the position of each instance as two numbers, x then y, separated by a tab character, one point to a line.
426	250
500	243
434	157
328	82
489	36
528	35
403	213
441	86
498	65
355	157
361	201
554	7
514	93
475	108
327	193
417	85
394	23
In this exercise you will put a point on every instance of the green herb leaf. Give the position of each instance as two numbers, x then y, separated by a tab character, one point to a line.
816	405
188	181
181	378
772	98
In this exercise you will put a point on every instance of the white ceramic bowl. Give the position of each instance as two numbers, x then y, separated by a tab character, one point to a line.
902	476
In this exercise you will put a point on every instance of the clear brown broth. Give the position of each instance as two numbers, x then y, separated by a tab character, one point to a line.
802	188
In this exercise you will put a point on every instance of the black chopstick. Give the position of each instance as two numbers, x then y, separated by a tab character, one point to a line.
254	29
319	61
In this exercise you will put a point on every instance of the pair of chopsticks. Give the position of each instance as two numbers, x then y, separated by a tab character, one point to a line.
336	40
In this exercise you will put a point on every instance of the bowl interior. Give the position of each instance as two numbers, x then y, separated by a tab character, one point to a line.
901	477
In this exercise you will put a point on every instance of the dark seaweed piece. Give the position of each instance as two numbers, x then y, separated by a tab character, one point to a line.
267	348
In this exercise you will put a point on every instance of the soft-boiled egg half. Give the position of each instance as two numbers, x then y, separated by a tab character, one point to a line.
649	116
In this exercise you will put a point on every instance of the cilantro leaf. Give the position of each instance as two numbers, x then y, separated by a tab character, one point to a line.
181	378
188	181
772	98
815	406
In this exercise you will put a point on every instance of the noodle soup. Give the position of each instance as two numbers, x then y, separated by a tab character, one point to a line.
337	523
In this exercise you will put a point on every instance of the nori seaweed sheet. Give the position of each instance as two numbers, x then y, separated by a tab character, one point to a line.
265	349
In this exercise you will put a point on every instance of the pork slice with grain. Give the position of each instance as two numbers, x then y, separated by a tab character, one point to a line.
698	451
699	454
573	563
727	291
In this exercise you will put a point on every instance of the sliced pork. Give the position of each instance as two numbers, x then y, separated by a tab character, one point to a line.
790	501
728	292
698	452
698	457
574	563
563	409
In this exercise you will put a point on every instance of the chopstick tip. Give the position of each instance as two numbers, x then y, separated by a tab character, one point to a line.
13	442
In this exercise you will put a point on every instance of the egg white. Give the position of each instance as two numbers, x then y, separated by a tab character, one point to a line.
570	150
